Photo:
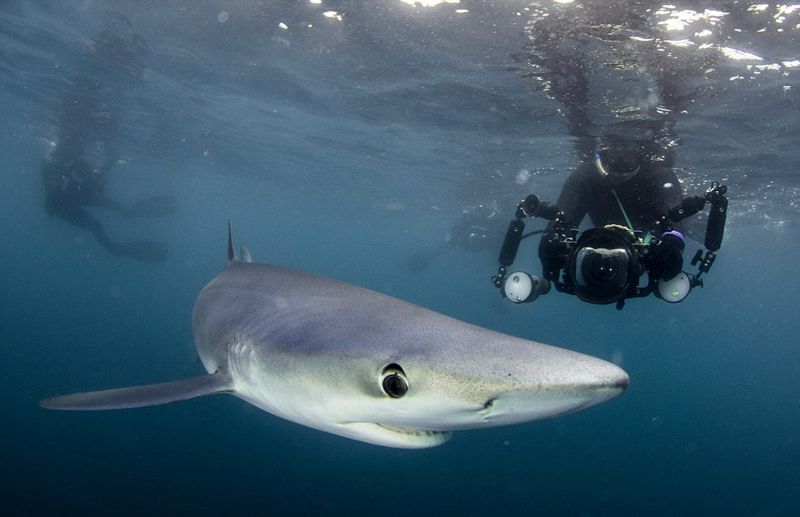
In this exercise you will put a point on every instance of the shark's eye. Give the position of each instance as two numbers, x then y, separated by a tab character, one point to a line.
395	386
393	381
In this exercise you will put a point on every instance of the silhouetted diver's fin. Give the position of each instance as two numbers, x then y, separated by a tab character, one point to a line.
142	396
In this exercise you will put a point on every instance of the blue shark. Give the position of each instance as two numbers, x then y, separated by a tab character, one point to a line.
360	364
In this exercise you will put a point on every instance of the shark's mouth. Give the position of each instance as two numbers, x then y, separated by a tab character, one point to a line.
412	431
396	436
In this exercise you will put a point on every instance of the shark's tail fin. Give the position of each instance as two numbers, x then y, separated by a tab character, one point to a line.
142	396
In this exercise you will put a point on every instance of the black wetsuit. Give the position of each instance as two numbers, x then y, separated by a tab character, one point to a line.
644	197
71	185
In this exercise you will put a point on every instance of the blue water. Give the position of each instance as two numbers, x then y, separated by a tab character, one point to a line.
342	147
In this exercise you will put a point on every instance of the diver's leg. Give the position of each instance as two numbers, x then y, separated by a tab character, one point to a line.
106	202
146	251
78	216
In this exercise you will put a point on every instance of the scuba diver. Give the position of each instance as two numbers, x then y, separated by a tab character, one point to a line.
620	82
71	184
620	183
478	229
635	205
75	171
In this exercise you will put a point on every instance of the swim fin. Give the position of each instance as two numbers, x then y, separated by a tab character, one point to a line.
158	206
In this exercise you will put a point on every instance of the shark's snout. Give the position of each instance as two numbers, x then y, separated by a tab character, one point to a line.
605	375
578	385
602	381
621	381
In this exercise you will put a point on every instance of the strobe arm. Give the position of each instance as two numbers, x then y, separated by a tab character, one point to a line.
686	208
508	253
715	229
531	206
717	217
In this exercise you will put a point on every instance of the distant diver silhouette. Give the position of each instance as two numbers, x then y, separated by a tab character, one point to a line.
477	229
71	184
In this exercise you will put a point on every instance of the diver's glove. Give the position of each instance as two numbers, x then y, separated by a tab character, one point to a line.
666	257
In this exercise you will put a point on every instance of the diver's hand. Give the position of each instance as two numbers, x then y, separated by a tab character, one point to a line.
666	258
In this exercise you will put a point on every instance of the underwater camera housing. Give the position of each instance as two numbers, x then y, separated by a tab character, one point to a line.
604	265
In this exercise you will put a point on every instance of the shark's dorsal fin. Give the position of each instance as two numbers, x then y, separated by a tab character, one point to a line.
231	245
245	254
143	396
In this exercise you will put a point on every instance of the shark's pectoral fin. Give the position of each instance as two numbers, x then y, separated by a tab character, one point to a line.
142	396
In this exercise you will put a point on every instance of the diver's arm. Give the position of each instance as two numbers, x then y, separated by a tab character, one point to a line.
573	203
668	194
573	200
668	189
